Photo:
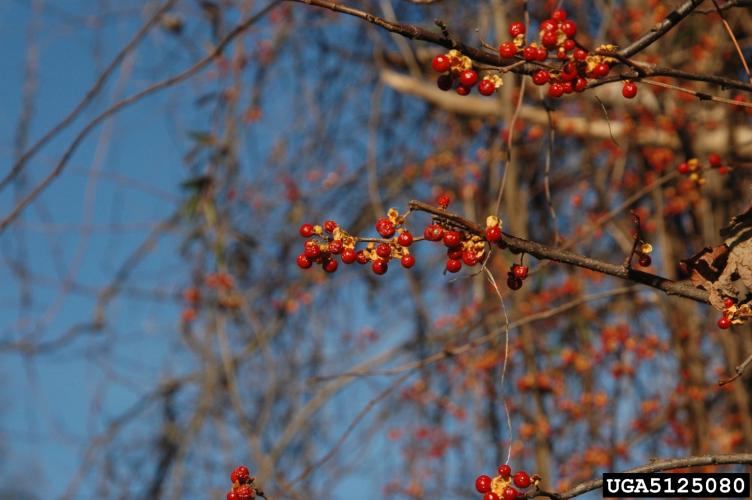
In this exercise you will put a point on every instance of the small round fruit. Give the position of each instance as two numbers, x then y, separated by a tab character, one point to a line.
555	90
569	28
443	200
242	473
469	77
491	496
645	260
493	234
407	261
728	302
385	227
559	15
335	246
542	54
453	265
379	266
600	70
510	493
330	265
522	480
505	471
452	238
383	250
530	53
541	77
548	25
724	323
469	258
433	232
312	251
405	239
569	44
683	168
514	283
245	493
306	230
349	256
444	82
580	85
714	159
362	258
441	63
507	50
568	87
462	90
549	39
330	226
483	484
629	90
231	495
516	28
519	271
486	87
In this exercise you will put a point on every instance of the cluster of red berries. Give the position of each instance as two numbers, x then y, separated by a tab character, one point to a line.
516	275
328	241
242	484
500	487
457	71
729	305
693	169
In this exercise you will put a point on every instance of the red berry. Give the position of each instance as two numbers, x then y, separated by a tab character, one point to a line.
444	82
469	258
559	15
491	496
443	200
513	283
469	77
724	323
569	44
330	226
516	28
441	63
231	495
522	480
714	159
728	302
306	230
600	70
507	50
519	271
483	484
579	54
493	233
312	251
561	53
379	266
383	250
549	39
530	53
330	265
462	90
683	168
541	77
452	238
405	238
629	90
407	261
569	28
568	87
580	84
433	232
335	246
362	257
548	25
505	471
555	90
241	473
453	265
454	253
245	493
542	54
510	493
349	256
385	227
645	260
486	87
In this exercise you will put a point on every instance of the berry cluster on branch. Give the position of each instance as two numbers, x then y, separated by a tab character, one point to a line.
503	485
242	485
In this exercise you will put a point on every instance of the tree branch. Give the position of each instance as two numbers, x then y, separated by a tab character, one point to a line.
543	252
661	28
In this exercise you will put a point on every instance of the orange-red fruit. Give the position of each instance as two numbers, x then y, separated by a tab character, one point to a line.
453	265
303	261
462	90
433	232
349	256
629	90
541	77
469	77
493	234
505	471
600	70
555	90
306	230
486	87
569	28
407	261
330	265
714	159
507	50
491	496
330	226
379	267
441	63
516	28
728	302
549	39
522	480
683	168
724	323
405	239
559	15
510	493
483	483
